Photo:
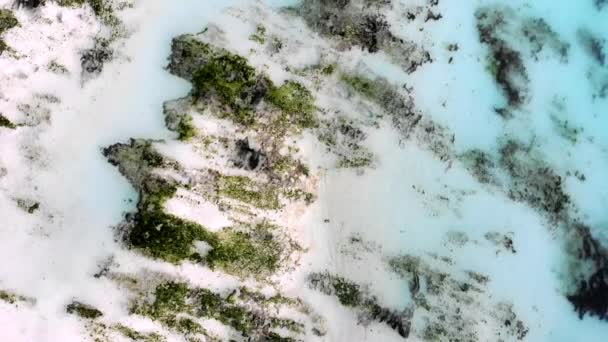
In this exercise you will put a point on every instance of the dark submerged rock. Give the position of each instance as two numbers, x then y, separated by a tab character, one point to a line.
93	60
594	46
505	64
591	294
30	3
353	295
247	157
370	31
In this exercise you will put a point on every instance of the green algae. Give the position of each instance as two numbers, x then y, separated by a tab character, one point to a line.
353	295
288	166
7	20
11	298
3	46
138	336
348	293
167	237
228	78
260	35
355	162
366	87
255	252
83	310
296	102
244	189
99	7
184	325
212	305
6	123
274	337
186	129
57	68
175	305
328	69
170	300
243	250
237	316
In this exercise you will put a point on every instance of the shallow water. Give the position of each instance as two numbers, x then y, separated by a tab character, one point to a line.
412	202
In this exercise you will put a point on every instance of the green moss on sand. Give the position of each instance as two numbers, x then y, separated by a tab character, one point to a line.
10	297
138	336
7	20
83	310
229	78
176	306
4	122
362	85
186	129
99	7
260	35
244	189
251	252
169	298
296	102
243	252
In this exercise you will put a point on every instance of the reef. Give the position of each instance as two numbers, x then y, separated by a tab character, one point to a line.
7	22
253	246
179	307
504	63
6	123
83	310
352	25
351	294
590	272
409	121
450	306
92	60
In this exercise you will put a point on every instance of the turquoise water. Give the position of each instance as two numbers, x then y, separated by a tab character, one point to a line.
411	203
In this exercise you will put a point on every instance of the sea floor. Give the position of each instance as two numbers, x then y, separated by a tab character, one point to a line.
353	170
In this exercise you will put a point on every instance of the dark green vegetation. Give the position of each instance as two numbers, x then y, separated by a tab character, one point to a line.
231	80
244	189
352	24
234	250
100	7
186	129
165	236
296	102
228	80
10	297
254	251
177	306
353	295
380	91
83	310
244	250
259	35
7	21
362	85
6	123
347	292
138	336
